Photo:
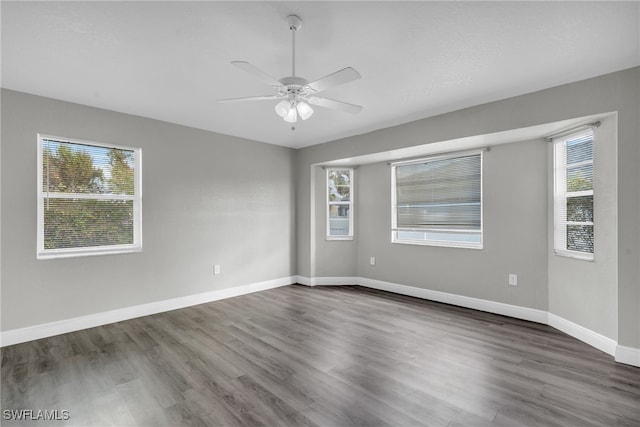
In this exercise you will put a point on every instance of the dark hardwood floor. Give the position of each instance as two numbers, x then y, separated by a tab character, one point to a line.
322	356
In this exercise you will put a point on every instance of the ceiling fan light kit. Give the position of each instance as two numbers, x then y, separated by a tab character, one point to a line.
296	93
304	110
290	111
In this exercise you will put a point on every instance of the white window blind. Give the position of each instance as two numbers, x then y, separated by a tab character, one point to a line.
573	196
339	203
438	201
88	198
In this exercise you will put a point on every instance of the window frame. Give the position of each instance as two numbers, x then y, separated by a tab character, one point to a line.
433	242
43	253
561	194
349	203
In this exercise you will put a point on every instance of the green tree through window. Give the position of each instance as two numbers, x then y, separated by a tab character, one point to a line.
88	197
121	162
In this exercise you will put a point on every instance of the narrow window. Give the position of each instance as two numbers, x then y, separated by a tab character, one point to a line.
438	201
339	204
89	198
573	196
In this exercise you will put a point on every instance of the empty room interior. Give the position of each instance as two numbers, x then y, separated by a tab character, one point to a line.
320	213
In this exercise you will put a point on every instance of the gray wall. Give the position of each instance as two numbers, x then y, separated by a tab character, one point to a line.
587	292
207	199
515	221
333	258
616	92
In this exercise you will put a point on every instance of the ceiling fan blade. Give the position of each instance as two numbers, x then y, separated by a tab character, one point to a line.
251	98
345	75
335	105
257	72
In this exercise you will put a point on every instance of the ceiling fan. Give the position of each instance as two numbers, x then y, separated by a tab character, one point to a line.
296	93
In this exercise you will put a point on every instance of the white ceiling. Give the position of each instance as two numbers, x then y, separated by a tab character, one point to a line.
171	60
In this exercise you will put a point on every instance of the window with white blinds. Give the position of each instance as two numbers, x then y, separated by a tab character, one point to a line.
573	196
438	201
339	204
89	198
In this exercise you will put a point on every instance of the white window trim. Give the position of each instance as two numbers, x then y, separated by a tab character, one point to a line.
560	197
136	246
438	243
350	203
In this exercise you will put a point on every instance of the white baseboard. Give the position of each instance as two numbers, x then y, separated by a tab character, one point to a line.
628	355
585	335
623	354
303	280
515	311
16	336
327	281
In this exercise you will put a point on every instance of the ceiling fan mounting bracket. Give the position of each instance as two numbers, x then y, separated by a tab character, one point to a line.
294	81
295	23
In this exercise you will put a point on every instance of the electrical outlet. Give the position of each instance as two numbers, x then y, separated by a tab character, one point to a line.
513	279
372	260
216	269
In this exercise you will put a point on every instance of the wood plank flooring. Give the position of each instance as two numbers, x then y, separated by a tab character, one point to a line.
321	356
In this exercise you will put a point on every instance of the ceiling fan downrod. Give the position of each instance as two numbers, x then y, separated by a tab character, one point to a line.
295	23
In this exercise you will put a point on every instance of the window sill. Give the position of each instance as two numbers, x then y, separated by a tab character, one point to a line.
575	255
339	238
73	253
439	244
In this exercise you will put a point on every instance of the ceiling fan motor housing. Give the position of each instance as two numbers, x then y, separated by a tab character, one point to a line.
295	88
294	82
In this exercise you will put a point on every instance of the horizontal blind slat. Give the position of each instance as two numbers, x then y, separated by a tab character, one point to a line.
574	198
88	197
443	193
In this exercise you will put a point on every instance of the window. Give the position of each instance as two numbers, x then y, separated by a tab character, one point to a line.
339	204
89	198
573	196
438	201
